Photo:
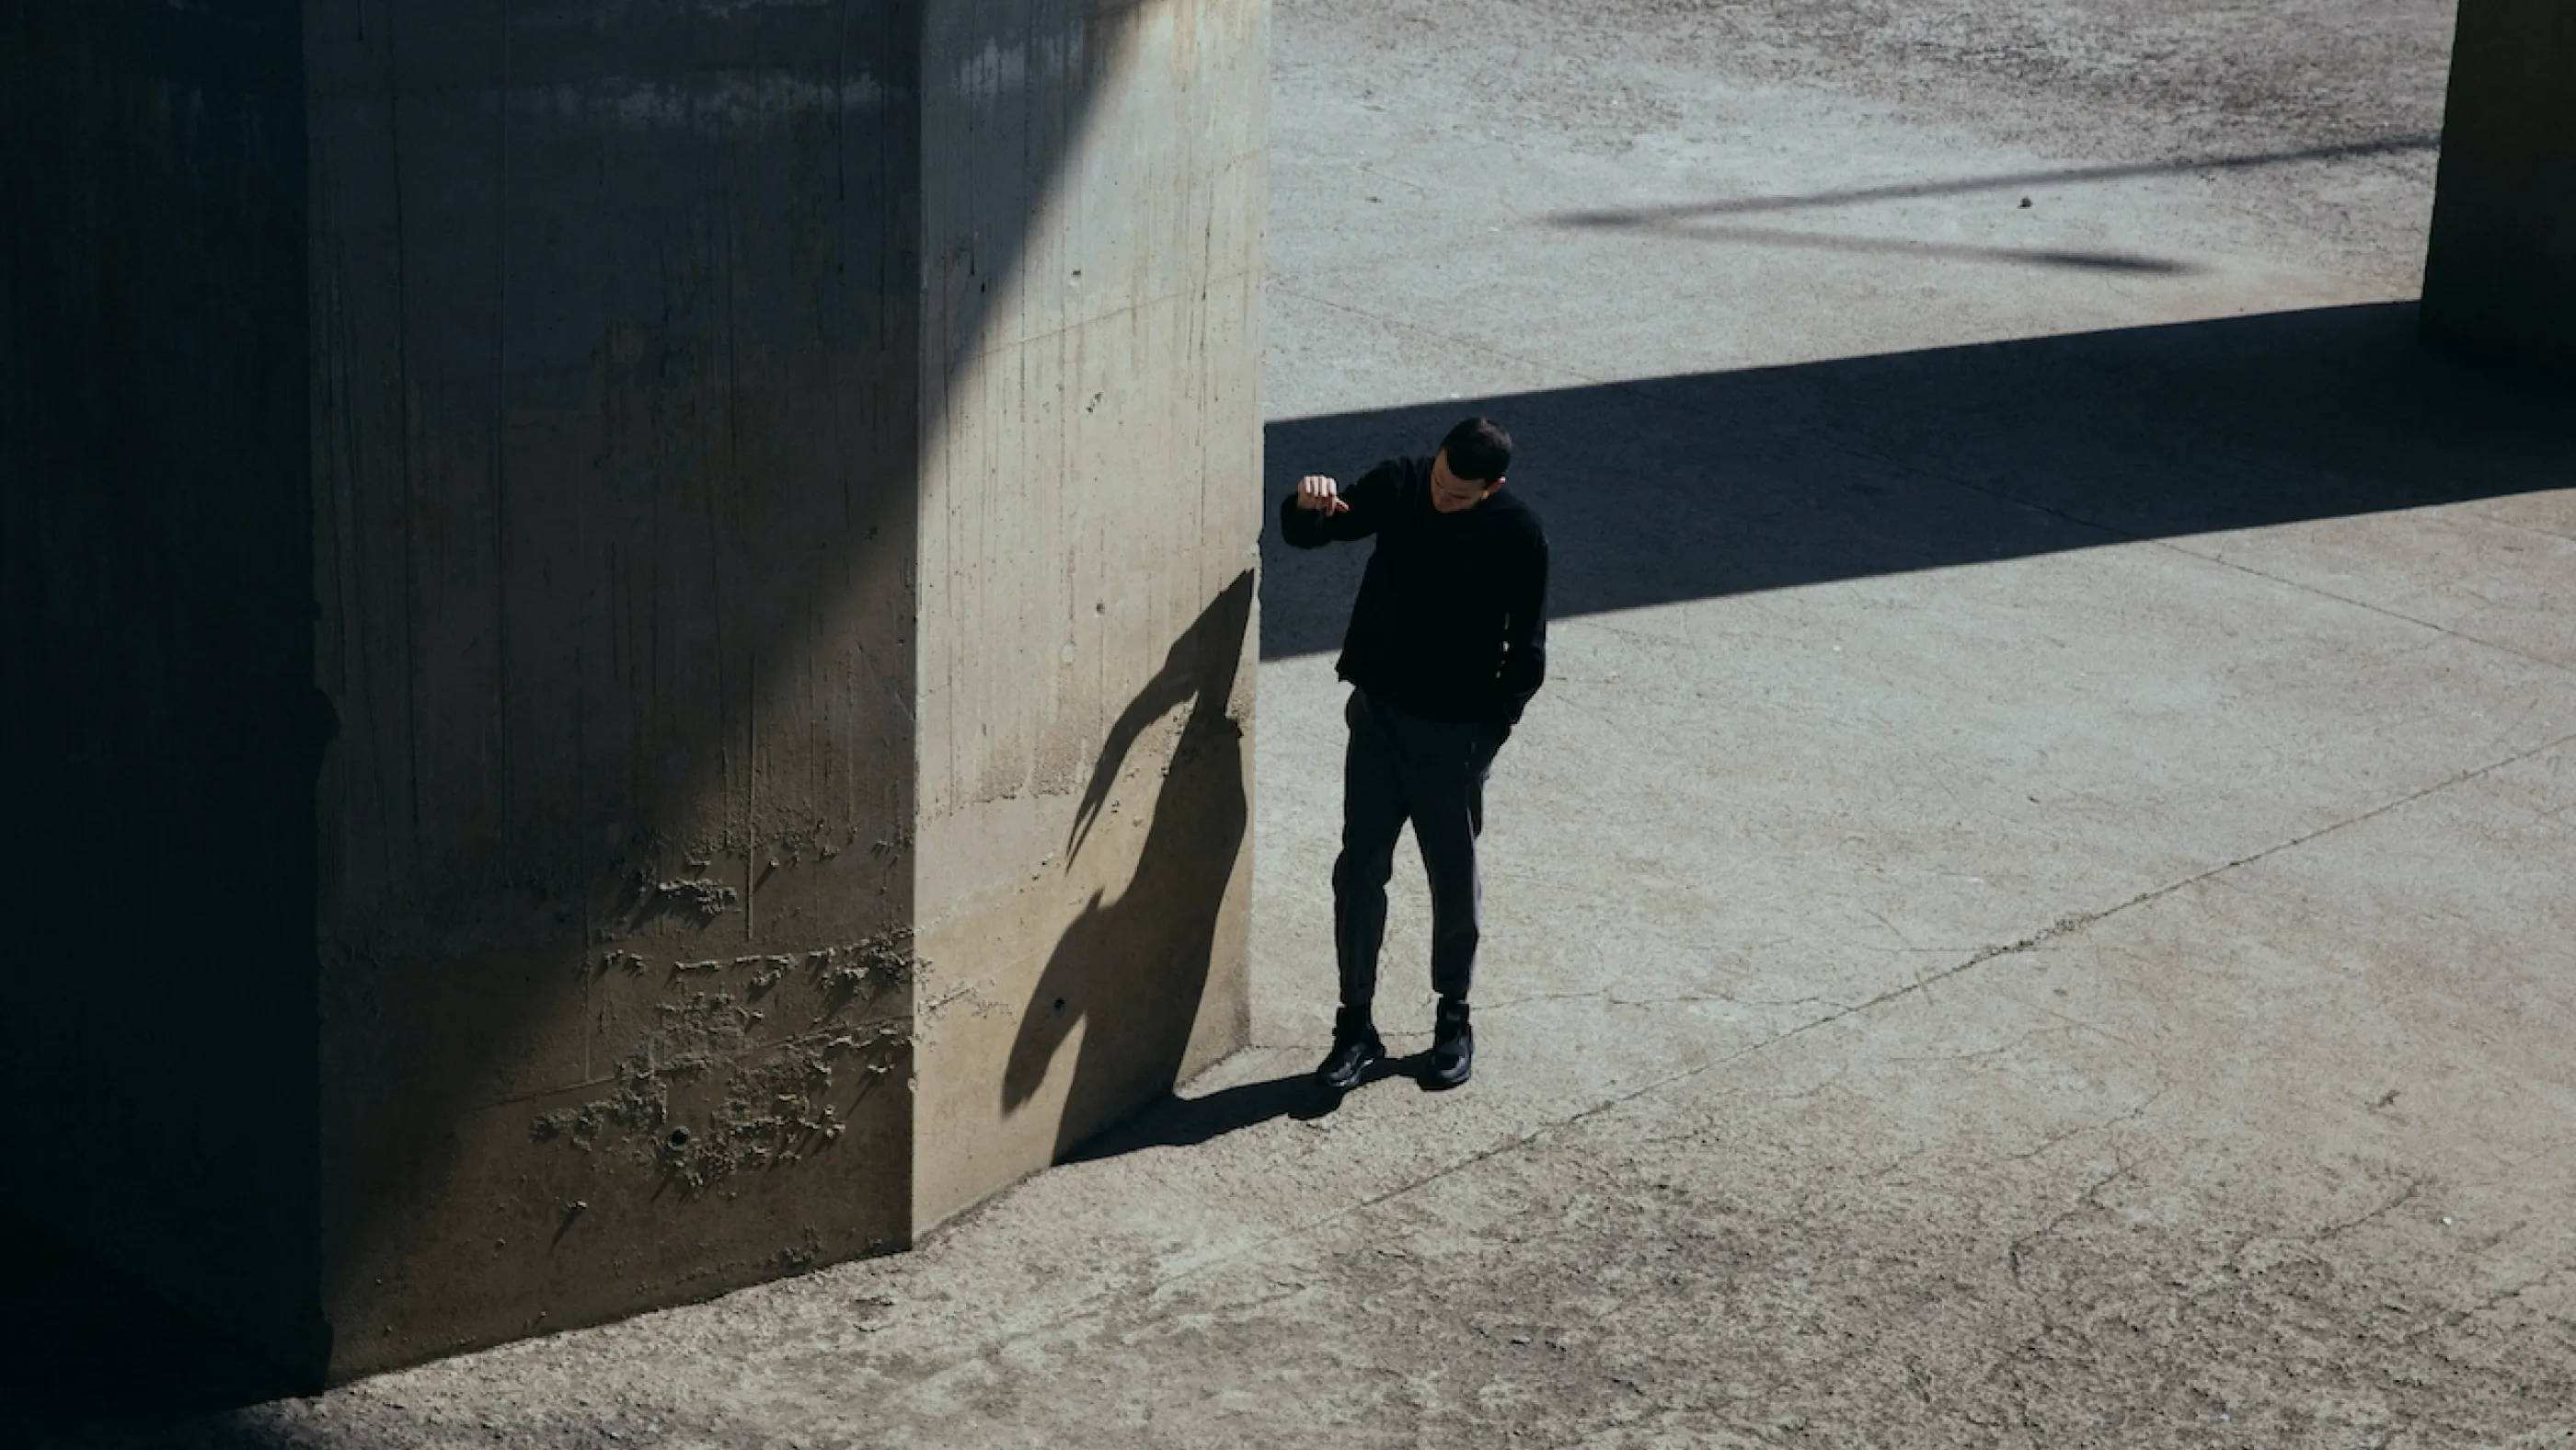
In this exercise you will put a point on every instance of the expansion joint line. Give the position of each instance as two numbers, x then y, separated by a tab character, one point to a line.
2063	927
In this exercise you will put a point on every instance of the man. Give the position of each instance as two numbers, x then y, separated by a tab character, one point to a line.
1447	643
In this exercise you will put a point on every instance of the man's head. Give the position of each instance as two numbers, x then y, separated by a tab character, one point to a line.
1470	465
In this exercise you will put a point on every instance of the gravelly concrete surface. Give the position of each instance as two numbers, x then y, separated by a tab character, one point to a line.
2034	909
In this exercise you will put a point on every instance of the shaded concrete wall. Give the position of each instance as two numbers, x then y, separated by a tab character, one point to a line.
615	397
155	638
2500	276
1089	519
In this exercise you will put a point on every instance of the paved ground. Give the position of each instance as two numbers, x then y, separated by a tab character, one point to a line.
2035	909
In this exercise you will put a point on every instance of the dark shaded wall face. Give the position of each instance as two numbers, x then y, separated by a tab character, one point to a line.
155	603
2500	276
614	438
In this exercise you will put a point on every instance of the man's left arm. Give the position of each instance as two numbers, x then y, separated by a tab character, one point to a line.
1524	633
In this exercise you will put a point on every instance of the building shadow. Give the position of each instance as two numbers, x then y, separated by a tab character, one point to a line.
1714	484
1132	970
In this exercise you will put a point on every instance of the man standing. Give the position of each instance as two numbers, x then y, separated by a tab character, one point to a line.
1447	643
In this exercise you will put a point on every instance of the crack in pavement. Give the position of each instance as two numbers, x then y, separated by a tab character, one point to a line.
2086	1199
2134	1113
2402	1198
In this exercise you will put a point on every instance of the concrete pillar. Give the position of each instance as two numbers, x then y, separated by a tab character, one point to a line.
1089	518
615	449
2500	277
758	499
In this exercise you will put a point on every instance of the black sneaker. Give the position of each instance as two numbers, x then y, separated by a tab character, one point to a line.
1356	1049
1453	1046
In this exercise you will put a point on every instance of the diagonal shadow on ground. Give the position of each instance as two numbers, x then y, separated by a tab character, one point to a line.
1700	486
1666	216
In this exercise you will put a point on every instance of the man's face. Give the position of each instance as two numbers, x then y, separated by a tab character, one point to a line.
1451	494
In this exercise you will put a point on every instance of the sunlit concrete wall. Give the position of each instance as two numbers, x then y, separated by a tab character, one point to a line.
2500	277
1091	358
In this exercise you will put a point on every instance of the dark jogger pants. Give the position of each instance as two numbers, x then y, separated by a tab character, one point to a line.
1404	768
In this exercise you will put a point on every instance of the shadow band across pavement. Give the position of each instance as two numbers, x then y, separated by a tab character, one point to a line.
1714	484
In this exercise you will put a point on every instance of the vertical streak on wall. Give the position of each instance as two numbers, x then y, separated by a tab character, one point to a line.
155	637
616	442
1088	524
2500	276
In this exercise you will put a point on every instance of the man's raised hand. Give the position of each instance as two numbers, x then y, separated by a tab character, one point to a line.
1321	495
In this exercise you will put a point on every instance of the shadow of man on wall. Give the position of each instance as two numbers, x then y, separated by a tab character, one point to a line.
1133	969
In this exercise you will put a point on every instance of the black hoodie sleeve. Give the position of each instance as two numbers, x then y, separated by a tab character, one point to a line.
1524	631
1369	501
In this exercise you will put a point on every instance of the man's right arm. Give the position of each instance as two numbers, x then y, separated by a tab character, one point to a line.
1363	505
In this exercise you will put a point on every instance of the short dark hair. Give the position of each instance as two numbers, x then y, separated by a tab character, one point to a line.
1479	450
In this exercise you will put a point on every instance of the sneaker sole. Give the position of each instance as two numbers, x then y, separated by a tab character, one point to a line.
1358	1075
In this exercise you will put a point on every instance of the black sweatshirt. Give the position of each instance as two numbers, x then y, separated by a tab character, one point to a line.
1451	622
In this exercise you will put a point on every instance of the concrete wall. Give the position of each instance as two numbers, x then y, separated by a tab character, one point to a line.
160	731
751	494
1089	517
615	451
2500	276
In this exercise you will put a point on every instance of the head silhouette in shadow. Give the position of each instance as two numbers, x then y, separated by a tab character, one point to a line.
1133	968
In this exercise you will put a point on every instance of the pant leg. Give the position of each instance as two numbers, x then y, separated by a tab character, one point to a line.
1448	811
1373	814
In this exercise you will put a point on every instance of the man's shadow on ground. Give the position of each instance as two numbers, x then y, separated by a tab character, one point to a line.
1177	1122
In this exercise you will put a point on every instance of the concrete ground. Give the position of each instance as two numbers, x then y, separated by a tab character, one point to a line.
2035	907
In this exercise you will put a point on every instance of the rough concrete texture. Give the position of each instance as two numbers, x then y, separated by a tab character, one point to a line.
2501	276
614	400
2033	910
1083	873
